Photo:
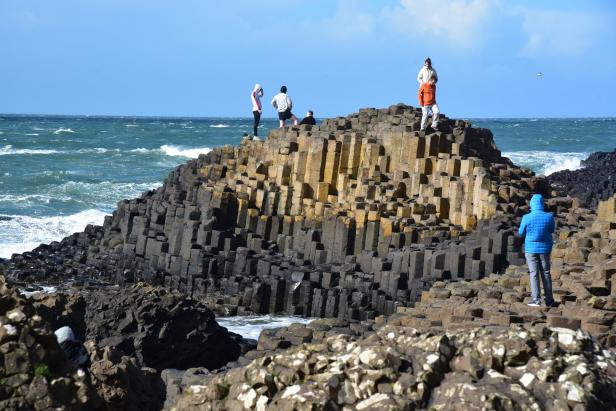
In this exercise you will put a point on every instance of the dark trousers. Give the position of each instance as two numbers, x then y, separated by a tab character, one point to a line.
255	125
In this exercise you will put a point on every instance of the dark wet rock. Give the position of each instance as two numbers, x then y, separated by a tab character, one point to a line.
56	262
61	309
594	182
162	329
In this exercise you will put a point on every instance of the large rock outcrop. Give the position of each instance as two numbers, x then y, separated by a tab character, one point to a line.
349	219
162	329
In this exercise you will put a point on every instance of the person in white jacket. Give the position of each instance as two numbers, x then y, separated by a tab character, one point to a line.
426	72
257	109
283	104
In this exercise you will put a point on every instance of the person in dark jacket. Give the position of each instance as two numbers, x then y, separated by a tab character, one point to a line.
309	119
73	348
537	227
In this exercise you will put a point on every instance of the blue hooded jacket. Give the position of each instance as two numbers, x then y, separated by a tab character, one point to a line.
537	226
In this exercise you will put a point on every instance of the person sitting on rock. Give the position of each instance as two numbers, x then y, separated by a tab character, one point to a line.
73	348
537	228
427	102
283	104
426	72
309	119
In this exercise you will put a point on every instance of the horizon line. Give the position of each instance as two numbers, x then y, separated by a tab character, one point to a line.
270	118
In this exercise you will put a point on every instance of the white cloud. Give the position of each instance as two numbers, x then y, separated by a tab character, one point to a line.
561	33
457	22
463	25
349	22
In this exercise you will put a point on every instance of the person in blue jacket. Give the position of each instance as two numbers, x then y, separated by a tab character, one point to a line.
537	227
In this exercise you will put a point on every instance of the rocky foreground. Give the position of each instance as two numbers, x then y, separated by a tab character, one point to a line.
398	367
403	242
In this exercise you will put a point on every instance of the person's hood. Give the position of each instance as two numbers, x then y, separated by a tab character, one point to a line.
64	334
257	87
536	203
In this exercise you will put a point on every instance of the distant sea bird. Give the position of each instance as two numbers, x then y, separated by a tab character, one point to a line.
540	75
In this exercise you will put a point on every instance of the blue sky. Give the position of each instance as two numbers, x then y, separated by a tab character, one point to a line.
202	58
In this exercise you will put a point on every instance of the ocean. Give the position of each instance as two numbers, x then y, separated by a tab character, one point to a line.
58	174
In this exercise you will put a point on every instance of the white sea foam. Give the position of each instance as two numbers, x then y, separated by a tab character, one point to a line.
98	150
131	125
547	162
177	151
20	233
31	134
103	194
219	125
63	130
9	150
42	290
140	150
31	198
250	326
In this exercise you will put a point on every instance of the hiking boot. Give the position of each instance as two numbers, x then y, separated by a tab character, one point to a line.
533	305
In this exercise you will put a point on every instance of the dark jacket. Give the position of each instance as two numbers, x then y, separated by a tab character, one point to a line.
308	120
537	228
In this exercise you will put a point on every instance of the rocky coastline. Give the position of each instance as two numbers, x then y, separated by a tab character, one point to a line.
594	182
403	244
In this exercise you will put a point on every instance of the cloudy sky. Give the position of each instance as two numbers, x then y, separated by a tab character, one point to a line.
202	58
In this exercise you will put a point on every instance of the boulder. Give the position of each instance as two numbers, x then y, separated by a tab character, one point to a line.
162	329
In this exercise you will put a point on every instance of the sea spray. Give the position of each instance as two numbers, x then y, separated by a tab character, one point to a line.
250	326
22	233
184	152
547	162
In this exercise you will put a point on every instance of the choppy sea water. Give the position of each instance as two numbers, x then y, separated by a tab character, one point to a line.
251	326
58	174
550	145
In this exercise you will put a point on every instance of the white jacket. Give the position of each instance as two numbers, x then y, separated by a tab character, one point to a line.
255	98
282	102
424	75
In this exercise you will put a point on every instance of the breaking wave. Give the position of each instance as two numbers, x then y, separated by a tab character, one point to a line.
20	233
9	150
184	152
547	162
63	130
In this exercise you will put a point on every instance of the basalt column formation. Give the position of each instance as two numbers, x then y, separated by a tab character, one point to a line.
348	219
